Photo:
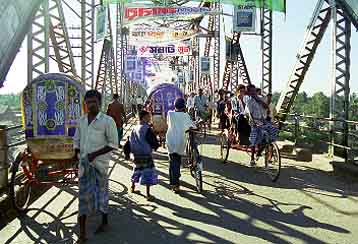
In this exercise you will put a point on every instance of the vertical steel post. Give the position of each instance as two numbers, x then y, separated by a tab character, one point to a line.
266	48
87	42
341	48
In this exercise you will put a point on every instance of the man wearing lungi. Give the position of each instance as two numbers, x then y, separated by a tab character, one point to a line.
256	109
95	137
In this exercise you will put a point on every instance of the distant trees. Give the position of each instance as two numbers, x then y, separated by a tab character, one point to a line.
318	105
11	100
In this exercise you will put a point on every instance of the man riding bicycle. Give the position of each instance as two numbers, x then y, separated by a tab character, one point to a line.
256	110
201	106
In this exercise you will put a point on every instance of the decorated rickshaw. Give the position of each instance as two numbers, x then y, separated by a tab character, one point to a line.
51	106
161	100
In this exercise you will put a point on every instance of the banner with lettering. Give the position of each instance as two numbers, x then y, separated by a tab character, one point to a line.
133	13
160	34
174	49
275	5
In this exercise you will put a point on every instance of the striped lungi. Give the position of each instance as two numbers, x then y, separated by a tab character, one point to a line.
93	190
257	133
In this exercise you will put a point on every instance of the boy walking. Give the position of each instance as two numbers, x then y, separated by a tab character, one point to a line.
178	123
142	141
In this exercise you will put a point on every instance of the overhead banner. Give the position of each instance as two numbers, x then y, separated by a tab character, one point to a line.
180	49
244	19
101	22
275	5
159	34
135	13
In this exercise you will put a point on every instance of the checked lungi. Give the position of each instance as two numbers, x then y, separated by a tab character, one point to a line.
257	133
93	189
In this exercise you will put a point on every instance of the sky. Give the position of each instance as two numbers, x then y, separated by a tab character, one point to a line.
288	36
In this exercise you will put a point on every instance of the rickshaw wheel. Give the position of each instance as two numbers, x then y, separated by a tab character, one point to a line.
224	147
20	186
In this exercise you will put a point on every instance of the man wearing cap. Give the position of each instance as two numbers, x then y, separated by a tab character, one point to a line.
178	123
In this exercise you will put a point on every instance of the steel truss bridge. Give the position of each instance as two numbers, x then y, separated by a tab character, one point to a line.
61	35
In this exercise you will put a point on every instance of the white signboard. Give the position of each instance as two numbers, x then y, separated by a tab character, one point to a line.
244	19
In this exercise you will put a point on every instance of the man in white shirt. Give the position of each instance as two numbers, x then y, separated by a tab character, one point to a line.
256	109
190	105
178	123
200	104
95	137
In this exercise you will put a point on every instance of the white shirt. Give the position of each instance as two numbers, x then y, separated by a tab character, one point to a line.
273	111
140	101
256	110
190	102
176	138
91	137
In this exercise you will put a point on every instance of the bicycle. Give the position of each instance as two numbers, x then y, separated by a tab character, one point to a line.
194	160
271	167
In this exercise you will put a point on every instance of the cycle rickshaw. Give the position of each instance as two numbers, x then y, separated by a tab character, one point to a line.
51	105
230	138
161	100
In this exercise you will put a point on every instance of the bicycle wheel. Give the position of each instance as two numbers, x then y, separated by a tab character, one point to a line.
273	167
224	148
20	188
198	178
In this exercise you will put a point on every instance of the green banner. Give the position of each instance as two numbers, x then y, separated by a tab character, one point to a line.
275	5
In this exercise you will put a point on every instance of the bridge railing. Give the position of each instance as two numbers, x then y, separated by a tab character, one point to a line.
10	138
337	137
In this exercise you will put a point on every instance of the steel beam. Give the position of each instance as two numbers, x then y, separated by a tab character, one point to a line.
216	76
266	47
38	43
60	39
87	42
340	91
314	35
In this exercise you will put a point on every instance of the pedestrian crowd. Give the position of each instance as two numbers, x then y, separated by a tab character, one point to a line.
98	134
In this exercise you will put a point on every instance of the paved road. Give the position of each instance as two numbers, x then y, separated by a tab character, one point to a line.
239	205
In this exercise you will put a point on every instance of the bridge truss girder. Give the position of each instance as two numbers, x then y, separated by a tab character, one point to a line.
341	33
60	39
266	46
38	43
235	68
314	35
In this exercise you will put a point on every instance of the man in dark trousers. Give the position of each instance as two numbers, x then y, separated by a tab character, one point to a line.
117	112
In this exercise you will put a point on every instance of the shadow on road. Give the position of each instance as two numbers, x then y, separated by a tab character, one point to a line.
132	222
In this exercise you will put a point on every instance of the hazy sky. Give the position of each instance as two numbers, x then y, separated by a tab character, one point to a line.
288	38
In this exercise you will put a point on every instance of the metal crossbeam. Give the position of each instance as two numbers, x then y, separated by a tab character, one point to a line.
266	45
314	35
341	33
236	67
60	39
38	43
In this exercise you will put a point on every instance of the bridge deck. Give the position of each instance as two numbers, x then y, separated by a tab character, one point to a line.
239	205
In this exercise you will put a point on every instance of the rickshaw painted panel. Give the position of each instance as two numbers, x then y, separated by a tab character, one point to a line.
51	106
